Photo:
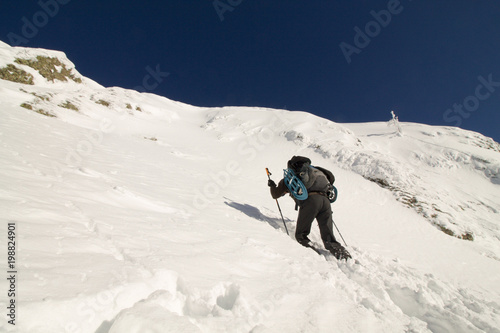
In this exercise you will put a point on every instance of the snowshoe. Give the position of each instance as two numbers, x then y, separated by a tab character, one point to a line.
295	185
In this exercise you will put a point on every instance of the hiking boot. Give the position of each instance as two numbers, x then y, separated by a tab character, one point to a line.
338	251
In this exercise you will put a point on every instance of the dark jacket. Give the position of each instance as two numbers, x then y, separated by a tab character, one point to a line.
280	190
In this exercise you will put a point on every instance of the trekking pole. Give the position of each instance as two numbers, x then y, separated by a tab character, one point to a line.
339	232
279	208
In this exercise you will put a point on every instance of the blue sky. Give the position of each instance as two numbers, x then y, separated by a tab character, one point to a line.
432	62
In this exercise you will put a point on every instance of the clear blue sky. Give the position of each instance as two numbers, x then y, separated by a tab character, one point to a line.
433	62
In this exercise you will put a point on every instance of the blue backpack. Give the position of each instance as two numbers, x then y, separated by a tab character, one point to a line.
301	178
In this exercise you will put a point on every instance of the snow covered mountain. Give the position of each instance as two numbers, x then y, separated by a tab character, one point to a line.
135	213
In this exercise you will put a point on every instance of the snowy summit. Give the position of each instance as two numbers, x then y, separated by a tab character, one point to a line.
128	212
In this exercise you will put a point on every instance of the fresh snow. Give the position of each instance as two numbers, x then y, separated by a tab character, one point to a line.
150	215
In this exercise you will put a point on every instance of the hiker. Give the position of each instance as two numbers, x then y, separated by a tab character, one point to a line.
318	182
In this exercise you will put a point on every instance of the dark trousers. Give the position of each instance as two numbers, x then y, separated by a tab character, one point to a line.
315	207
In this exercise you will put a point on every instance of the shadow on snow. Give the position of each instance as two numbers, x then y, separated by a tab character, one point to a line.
255	213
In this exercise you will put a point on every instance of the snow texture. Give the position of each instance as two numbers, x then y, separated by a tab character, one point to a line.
136	213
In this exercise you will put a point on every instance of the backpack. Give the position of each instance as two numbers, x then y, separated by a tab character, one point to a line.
301	178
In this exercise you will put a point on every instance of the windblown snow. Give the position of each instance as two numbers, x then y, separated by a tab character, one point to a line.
135	213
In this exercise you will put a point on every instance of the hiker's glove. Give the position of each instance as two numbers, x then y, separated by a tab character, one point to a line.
271	183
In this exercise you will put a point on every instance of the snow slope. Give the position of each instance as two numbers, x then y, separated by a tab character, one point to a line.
135	213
